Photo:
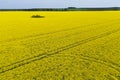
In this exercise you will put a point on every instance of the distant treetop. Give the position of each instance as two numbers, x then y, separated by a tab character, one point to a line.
71	7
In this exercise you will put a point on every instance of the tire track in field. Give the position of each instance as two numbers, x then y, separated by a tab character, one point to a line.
71	34
103	62
62	37
42	34
53	52
62	30
112	77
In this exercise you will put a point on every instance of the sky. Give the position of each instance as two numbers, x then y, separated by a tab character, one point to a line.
6	4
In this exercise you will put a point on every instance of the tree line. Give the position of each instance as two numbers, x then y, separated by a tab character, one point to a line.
65	9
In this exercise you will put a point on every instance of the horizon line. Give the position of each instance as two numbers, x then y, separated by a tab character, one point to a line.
60	7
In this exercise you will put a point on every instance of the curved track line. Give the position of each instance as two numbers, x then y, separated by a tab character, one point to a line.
113	77
99	61
53	32
52	52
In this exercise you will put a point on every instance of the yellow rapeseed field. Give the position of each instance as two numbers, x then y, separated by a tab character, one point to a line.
60	46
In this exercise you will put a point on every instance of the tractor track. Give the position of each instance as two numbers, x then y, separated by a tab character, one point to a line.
53	52
77	33
107	63
53	32
103	62
63	37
